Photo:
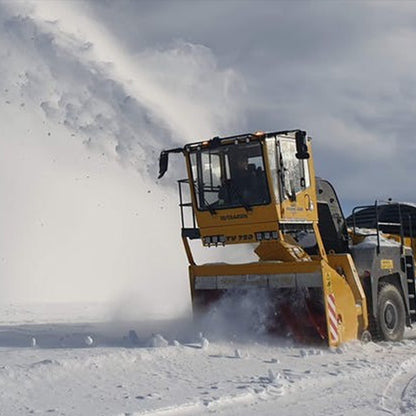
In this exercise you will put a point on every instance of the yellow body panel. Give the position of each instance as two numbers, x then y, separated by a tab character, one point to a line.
349	295
239	224
281	250
345	313
237	216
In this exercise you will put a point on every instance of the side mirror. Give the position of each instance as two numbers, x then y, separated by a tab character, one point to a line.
163	163
301	145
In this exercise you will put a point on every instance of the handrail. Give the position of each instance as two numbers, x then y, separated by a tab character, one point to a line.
379	223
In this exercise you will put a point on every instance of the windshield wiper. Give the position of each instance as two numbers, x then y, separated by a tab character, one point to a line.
209	206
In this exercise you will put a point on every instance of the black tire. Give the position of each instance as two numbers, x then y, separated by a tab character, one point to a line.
391	315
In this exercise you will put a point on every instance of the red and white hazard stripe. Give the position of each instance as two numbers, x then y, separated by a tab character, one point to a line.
332	315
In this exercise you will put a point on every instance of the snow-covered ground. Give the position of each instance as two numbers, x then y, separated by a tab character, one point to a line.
90	367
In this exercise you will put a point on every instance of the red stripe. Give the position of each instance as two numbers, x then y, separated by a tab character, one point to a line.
332	317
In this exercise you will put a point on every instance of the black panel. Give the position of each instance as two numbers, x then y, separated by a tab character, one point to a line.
332	224
387	213
191	233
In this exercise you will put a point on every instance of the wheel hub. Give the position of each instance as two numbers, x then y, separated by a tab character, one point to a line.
390	315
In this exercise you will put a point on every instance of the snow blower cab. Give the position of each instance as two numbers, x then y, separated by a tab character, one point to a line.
261	188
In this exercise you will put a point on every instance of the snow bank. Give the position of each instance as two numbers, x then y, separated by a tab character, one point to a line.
371	241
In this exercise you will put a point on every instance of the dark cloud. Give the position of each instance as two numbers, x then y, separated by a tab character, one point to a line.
342	70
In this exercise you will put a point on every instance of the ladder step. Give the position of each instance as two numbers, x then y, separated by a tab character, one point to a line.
411	296
410	280
412	311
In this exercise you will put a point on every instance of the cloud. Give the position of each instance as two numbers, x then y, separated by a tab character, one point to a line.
341	70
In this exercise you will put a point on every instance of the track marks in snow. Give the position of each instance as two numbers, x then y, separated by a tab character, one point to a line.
242	389
215	405
186	380
399	395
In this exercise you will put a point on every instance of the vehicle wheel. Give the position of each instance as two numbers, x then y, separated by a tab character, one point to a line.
390	313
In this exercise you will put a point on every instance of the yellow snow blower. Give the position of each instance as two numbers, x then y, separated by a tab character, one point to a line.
261	189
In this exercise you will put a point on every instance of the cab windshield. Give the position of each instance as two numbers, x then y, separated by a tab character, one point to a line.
229	176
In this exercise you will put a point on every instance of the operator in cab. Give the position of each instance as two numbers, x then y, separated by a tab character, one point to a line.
247	185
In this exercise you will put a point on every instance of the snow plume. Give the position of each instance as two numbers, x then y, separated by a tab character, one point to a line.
240	313
129	105
80	226
262	314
